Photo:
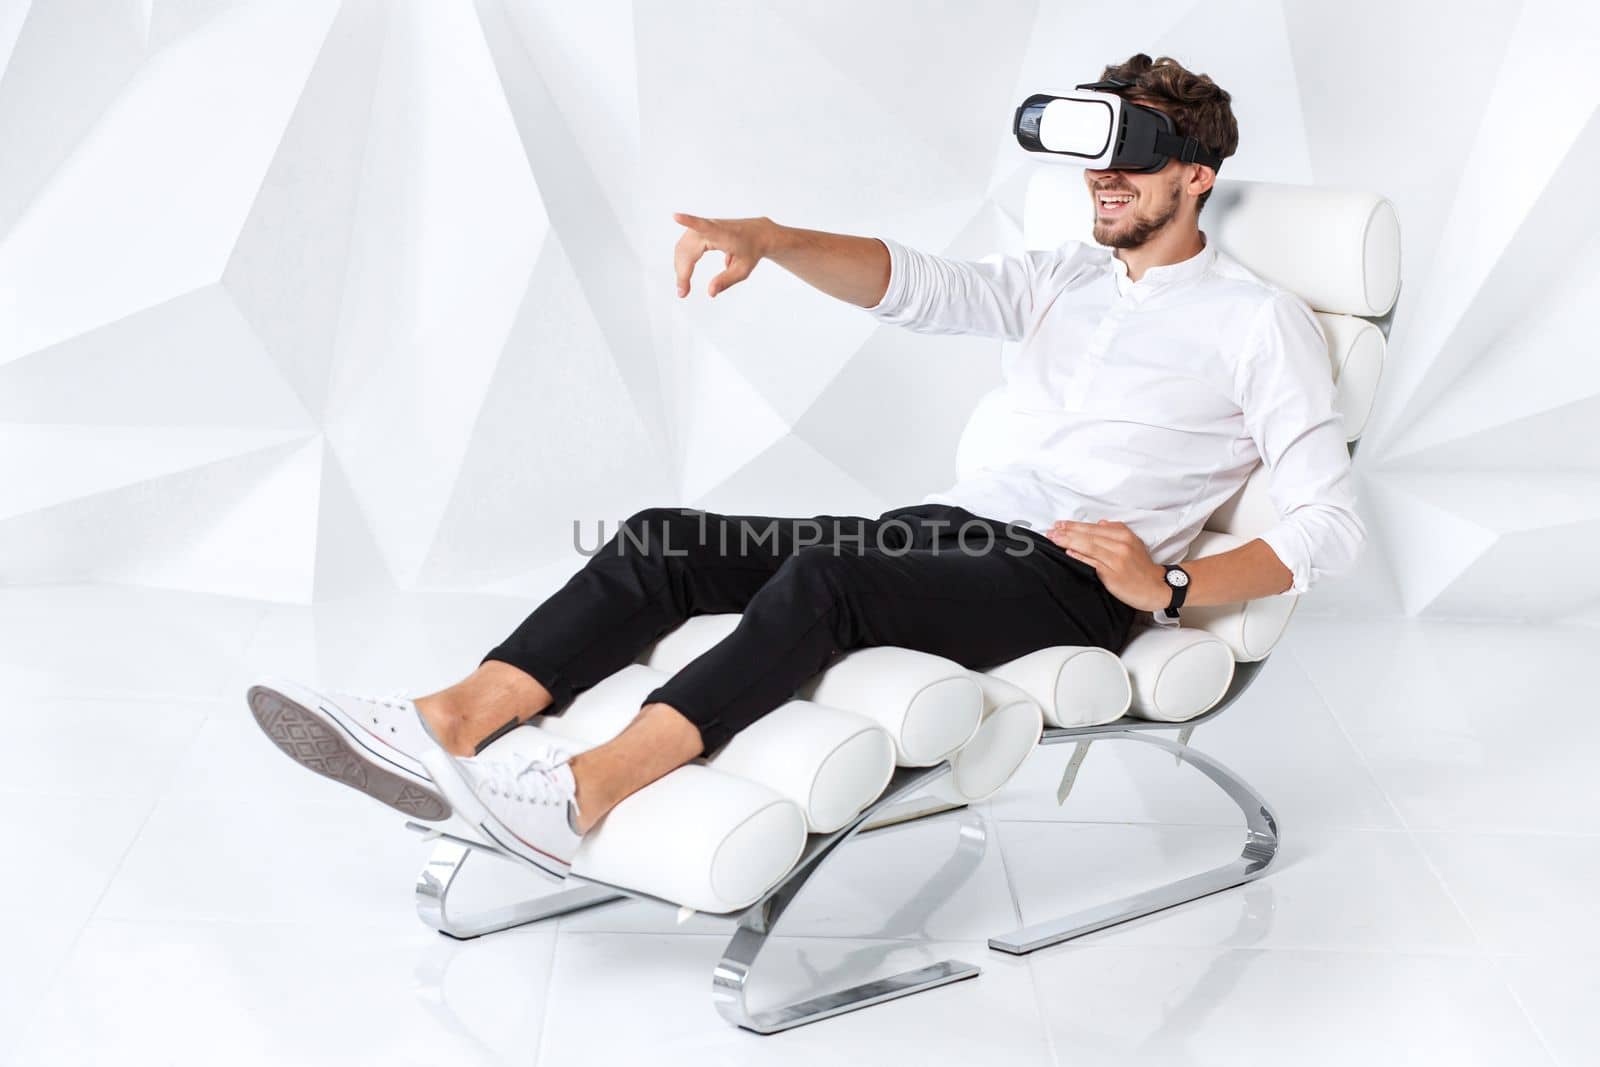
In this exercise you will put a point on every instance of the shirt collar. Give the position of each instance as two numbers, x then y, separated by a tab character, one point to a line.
1171	273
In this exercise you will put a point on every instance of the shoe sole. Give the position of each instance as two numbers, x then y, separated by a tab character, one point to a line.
320	744
448	777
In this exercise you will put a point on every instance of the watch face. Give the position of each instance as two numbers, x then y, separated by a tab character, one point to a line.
1177	577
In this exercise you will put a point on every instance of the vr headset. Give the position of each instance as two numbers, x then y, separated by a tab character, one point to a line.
1094	127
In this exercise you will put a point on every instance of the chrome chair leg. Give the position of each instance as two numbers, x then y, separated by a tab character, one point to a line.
450	855
734	971
730	979
908	811
1260	846
898	805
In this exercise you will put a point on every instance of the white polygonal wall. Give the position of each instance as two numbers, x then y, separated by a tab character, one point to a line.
305	299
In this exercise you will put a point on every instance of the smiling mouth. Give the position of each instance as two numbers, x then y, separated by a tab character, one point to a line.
1112	205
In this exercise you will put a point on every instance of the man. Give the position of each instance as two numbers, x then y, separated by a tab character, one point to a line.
1154	373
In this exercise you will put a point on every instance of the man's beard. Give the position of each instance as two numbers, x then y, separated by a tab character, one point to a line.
1142	229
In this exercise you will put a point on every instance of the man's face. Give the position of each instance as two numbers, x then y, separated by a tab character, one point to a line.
1156	198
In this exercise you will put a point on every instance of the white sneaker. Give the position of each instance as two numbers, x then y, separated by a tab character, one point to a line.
374	744
524	801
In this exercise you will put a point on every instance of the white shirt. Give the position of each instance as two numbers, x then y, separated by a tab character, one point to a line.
1146	402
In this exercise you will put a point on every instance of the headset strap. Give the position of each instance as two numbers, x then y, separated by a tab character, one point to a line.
1187	150
1109	85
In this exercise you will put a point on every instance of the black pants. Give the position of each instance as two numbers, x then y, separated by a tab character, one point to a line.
929	577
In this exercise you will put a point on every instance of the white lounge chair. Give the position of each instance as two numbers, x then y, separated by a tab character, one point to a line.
885	735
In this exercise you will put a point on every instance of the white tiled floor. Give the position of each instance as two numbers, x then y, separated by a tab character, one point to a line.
180	893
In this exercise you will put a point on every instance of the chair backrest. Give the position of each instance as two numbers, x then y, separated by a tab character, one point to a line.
1338	250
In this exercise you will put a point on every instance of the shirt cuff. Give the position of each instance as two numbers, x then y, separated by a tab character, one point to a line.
894	297
1285	540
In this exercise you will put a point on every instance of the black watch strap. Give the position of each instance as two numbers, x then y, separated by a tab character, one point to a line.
1180	588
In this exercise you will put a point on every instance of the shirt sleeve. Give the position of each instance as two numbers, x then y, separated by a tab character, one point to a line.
993	297
1287	394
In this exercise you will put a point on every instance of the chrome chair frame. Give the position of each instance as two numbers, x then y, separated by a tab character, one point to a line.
1261	825
899	804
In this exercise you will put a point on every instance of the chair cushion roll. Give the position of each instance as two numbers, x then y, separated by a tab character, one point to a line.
675	649
1177	673
1012	723
1074	685
1250	629
929	705
1267	226
600	712
698	837
829	761
1356	348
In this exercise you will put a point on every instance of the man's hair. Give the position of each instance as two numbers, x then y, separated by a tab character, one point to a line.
1199	107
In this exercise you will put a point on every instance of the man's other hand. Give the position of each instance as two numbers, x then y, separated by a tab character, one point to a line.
742	242
1118	557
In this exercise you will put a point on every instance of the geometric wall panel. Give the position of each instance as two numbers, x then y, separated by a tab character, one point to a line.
445	229
900	450
555	441
240	524
290	268
1518	388
722	417
190	361
1489	543
148	204
1526	574
305	300
1408	132
75	54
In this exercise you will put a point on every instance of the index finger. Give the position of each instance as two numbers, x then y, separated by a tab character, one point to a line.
694	222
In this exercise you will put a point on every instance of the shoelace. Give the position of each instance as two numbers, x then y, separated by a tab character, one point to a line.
395	698
510	777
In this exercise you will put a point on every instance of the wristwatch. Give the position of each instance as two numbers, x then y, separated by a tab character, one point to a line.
1178	582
